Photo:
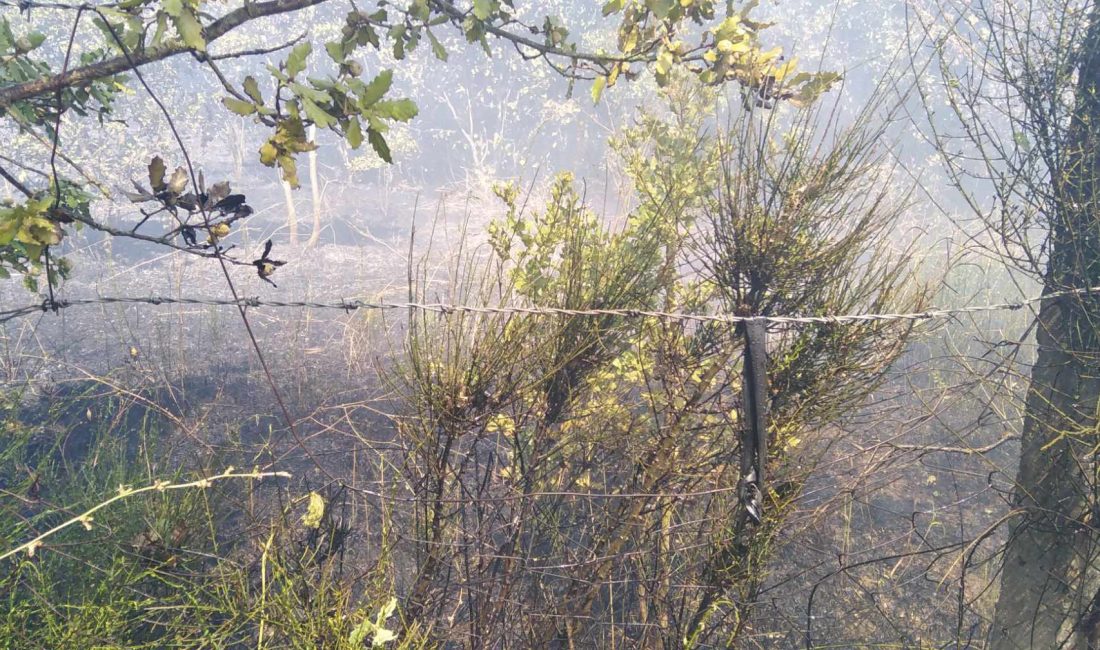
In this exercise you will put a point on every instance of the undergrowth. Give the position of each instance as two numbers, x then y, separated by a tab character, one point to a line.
184	569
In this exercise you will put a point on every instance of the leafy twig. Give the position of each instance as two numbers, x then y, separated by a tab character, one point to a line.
125	491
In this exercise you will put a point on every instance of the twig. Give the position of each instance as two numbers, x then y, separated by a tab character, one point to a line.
15	183
125	491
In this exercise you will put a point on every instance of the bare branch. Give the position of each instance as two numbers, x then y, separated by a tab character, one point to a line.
118	64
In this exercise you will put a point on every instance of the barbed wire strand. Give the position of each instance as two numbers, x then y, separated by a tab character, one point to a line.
445	308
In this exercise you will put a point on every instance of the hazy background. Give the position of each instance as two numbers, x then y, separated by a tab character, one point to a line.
485	120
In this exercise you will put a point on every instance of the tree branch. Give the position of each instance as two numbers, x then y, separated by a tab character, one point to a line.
86	74
15	182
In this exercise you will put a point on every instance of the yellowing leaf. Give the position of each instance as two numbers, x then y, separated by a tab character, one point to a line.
178	181
614	74
268	153
664	62
238	106
629	40
190	30
314	512
780	73
290	170
502	423
766	57
597	88
156	173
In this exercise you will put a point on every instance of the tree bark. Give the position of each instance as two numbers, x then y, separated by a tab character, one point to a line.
1050	564
315	192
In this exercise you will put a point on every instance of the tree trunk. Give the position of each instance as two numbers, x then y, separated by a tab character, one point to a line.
315	192
291	212
1048	585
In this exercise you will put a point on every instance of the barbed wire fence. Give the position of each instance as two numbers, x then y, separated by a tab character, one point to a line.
349	305
816	575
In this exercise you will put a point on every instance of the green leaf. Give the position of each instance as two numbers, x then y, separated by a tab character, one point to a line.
29	42
660	8
172	7
360	633
401	110
354	133
190	30
376	89
322	119
366	35
4	275
238	106
296	60
484	8
6	37
335	51
1020	138
312	94
375	123
438	50
252	89
162	27
8	229
378	143
277	73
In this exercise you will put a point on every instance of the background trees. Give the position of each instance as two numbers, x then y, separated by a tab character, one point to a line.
291	99
1030	116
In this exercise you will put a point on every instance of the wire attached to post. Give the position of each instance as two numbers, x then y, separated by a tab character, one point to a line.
754	431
